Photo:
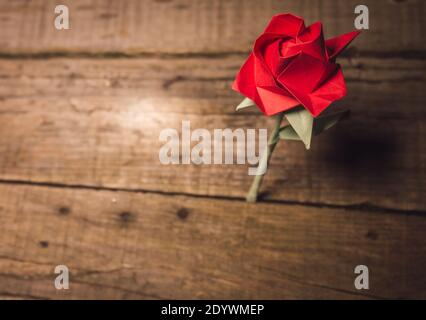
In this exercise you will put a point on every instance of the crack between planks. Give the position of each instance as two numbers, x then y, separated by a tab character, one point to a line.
83	273
321	286
22	296
363	207
350	53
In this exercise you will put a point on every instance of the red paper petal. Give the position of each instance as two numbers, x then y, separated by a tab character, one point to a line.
286	25
310	41
276	99
332	90
245	81
315	83
303	73
336	45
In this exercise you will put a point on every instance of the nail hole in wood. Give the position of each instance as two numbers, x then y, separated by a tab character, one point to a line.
182	213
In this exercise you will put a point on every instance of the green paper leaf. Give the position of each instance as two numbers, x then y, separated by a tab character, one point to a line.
302	122
326	122
246	103
287	133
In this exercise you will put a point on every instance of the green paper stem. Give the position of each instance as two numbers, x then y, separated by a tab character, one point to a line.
264	160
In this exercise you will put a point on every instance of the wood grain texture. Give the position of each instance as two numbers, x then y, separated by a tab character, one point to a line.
205	26
81	184
96	122
138	245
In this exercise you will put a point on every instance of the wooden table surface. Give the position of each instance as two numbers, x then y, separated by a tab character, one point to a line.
81	184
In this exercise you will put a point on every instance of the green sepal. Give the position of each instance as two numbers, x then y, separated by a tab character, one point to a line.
246	103
287	133
323	123
302	122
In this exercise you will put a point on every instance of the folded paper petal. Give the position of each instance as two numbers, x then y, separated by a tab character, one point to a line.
245	81
336	45
332	90
303	73
313	82
276	100
267	49
285	24
263	74
309	41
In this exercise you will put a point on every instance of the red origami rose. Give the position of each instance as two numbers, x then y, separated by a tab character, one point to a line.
293	65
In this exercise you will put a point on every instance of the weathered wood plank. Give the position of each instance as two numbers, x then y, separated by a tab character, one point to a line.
139	245
206	26
97	122
377	86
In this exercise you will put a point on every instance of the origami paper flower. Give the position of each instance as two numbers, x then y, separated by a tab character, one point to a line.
293	65
292	73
